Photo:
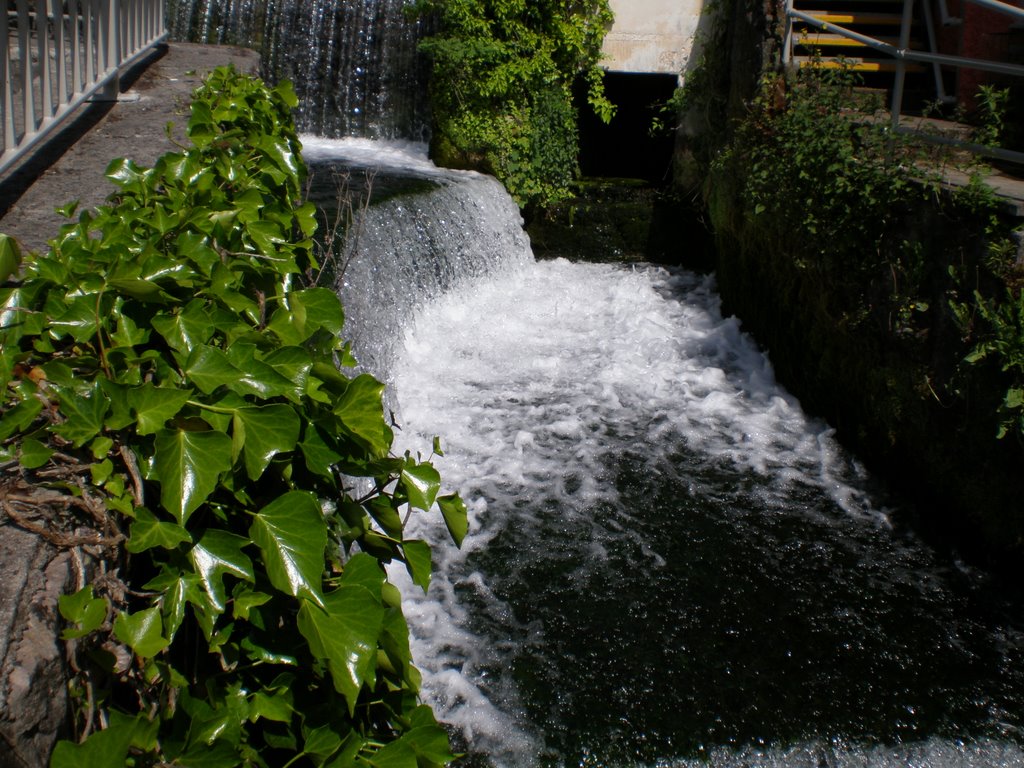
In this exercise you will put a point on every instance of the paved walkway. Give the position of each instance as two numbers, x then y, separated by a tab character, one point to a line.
71	165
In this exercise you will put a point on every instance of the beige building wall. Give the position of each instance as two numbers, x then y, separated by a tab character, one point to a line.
655	36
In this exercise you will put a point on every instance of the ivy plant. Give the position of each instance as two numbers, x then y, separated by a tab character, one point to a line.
502	88
170	371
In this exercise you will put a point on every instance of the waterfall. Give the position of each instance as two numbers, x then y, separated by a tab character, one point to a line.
669	563
354	64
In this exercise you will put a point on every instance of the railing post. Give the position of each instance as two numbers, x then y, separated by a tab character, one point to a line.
787	36
25	65
7	83
901	62
112	52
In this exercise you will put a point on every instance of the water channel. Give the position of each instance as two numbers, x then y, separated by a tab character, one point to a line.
669	563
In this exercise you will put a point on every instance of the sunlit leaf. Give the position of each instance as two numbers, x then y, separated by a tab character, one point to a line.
208	368
142	632
417	561
260	433
187	465
154	406
10	257
84	415
84	609
456	518
148	532
292	534
421	483
362	414
218	553
344	633
185	330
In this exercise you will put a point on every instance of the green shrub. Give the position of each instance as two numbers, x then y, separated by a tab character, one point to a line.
166	373
501	88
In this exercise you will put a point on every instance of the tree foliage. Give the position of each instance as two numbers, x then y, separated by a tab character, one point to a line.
166	368
502	87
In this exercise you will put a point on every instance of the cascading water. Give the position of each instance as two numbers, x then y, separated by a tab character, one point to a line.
355	64
669	563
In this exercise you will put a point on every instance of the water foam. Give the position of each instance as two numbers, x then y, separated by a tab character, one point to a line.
529	379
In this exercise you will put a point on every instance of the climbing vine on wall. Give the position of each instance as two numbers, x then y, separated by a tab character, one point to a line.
171	385
502	83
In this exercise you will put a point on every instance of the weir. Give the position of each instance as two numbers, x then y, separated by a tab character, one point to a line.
354	64
669	563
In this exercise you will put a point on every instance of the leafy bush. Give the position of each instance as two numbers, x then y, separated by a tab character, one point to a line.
165	372
501	88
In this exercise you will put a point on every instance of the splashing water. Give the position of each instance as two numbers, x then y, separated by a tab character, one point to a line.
355	65
668	564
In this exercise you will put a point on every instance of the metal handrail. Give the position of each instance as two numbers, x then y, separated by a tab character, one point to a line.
902	53
55	55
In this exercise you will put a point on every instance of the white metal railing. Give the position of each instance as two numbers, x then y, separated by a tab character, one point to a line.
902	53
57	54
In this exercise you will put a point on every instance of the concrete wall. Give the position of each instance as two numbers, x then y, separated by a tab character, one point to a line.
654	36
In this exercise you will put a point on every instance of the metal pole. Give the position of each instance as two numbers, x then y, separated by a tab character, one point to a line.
901	66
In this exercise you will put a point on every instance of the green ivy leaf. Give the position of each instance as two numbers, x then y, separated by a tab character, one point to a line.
292	535
319	456
84	609
148	532
417	562
188	465
397	754
362	414
83	416
344	633
257	377
185	330
142	632
209	368
456	517
217	553
421	483
278	705
103	749
154	406
261	432
178	587
10	257
34	454
19	417
430	743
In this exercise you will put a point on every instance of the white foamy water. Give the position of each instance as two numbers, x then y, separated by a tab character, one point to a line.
669	564
566	396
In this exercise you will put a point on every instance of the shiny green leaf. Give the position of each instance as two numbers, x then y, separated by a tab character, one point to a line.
142	632
292	535
456	518
260	433
154	406
421	483
84	609
148	532
34	454
218	553
362	414
344	633
84	416
209	368
417	561
188	465
10	257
